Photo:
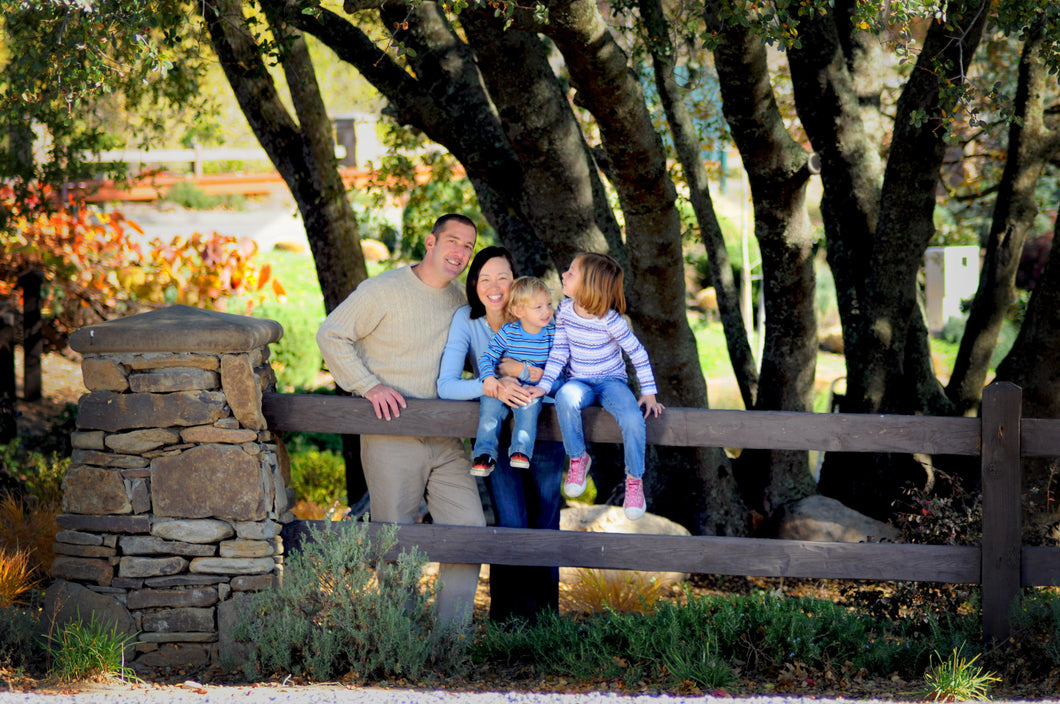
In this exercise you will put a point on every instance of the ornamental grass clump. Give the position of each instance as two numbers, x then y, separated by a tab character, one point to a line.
90	650
958	679
343	611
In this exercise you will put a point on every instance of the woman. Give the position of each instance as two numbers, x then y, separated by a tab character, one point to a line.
522	498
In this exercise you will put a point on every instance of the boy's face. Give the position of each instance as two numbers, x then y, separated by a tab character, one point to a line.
535	313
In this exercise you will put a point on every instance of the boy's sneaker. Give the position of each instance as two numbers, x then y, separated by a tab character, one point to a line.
577	476
483	465
634	502
519	460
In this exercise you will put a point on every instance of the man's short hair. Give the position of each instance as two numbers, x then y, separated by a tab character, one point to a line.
441	222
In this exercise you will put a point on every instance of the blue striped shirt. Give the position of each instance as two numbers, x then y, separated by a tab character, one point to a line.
593	347
514	342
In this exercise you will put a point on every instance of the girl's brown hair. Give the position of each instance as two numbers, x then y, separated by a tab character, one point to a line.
601	284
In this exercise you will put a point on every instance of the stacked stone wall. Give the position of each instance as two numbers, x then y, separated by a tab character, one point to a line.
174	499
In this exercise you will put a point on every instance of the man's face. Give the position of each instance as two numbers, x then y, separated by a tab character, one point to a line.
450	249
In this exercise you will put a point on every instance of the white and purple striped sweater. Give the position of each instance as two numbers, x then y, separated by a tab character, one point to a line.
593	347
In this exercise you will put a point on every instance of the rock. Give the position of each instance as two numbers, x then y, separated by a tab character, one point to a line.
209	481
95	491
707	300
374	250
172	598
831	340
193	531
602	518
139	441
820	518
131	567
106	410
104	524
103	375
65	602
242	390
176	379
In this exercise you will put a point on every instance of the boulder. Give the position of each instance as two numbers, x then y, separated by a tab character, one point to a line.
820	518
602	518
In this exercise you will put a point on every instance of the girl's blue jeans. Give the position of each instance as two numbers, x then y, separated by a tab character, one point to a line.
617	399
491	414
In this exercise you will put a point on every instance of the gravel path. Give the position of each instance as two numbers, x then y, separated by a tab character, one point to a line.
192	693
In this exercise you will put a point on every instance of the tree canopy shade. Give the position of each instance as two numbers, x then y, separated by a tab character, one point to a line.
547	110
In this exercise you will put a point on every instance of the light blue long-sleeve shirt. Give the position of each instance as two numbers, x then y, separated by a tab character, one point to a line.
467	340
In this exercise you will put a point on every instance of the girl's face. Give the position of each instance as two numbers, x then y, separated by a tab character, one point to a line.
493	284
572	279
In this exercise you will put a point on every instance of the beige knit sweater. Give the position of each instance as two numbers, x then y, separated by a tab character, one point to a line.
391	330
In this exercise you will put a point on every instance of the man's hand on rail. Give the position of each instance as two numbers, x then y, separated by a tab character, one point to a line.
386	401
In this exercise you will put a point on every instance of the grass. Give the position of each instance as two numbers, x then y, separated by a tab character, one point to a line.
82	651
958	679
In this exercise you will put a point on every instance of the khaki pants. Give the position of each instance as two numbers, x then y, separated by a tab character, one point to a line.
401	472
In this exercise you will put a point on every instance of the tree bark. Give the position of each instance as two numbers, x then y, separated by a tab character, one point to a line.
875	374
777	168
303	152
688	149
830	90
1032	364
562	195
1030	148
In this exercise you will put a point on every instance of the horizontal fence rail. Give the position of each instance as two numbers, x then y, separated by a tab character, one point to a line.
1001	565
681	427
753	557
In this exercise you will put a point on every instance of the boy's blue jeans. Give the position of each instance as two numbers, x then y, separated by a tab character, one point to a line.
617	399
491	414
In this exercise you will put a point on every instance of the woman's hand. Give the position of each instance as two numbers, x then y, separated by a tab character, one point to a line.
512	393
651	406
491	387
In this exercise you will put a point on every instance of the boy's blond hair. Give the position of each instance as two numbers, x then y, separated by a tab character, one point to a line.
523	291
601	284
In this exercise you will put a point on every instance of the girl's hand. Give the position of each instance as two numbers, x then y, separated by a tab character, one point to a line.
535	391
651	406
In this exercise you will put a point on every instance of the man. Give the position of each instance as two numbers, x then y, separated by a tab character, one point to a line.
384	342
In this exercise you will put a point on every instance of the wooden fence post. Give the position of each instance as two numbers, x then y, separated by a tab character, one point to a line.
32	336
1002	538
8	424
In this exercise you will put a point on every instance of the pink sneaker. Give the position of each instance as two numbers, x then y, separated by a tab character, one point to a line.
634	502
577	476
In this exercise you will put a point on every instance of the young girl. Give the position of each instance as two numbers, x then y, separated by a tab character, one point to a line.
591	335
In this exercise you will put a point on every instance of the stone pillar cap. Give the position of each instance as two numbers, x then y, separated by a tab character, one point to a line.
177	328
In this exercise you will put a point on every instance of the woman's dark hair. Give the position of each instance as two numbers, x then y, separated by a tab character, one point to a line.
477	309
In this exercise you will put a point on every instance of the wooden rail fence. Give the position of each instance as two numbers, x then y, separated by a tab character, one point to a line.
32	351
1000	437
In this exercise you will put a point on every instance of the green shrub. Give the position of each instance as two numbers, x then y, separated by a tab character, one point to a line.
318	476
82	650
20	646
295	357
707	639
342	609
40	474
188	195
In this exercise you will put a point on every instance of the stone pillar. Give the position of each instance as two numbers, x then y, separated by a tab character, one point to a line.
176	492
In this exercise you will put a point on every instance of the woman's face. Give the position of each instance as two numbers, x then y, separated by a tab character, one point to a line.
493	285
